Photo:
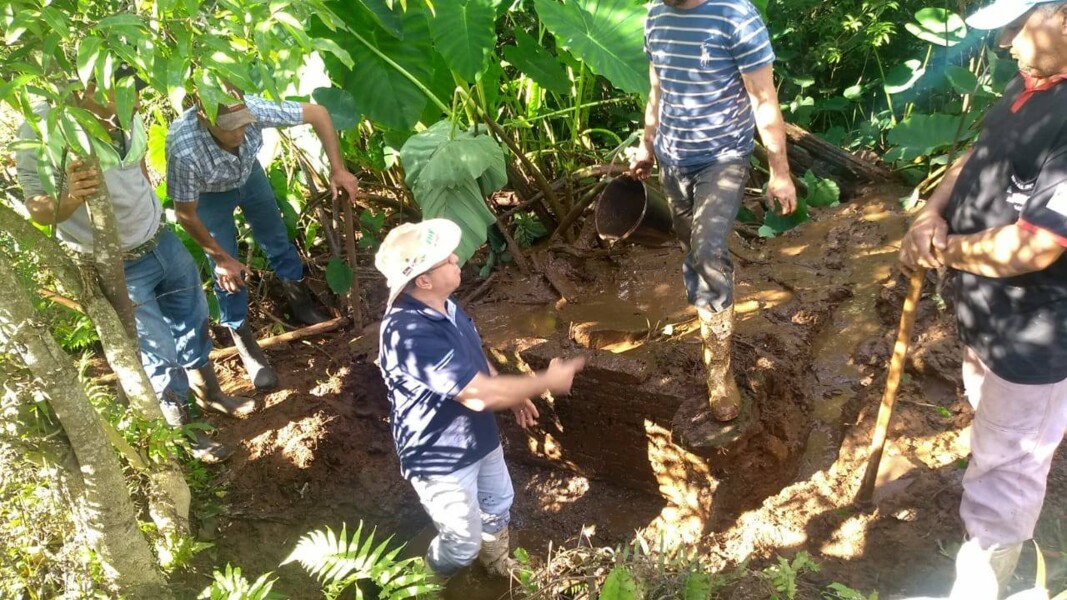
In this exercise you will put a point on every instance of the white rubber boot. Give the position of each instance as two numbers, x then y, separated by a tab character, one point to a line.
494	555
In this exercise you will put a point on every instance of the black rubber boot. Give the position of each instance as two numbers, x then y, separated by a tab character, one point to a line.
209	395
256	364
205	449
302	303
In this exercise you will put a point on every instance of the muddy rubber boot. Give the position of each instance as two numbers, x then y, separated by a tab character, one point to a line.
176	414
716	331
301	302
256	364
1003	560
494	554
209	395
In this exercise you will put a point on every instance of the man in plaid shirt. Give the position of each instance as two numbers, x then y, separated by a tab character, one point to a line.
212	170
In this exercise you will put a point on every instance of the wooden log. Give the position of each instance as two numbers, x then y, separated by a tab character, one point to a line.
808	151
291	336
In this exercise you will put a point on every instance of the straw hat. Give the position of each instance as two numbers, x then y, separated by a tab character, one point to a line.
412	249
1001	13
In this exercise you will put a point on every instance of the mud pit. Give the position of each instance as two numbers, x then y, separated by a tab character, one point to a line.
817	310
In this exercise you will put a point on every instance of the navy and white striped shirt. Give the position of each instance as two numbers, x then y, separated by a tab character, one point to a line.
699	54
195	163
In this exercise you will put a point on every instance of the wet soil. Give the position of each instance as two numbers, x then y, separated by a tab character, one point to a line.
817	313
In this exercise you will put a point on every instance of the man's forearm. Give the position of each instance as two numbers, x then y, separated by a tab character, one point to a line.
320	121
771	126
501	392
648	136
1002	251
198	231
45	210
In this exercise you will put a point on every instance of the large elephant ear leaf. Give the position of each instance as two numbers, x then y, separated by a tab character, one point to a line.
450	176
464	31
386	95
532	59
384	15
608	35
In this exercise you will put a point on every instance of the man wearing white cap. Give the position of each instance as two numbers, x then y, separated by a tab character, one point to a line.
999	220
211	171
443	394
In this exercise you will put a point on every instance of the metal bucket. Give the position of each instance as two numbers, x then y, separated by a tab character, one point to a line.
629	209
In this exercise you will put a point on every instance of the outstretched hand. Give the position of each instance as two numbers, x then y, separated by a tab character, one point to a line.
526	414
561	373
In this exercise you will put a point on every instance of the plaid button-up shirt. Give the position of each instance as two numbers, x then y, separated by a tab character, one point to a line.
195	163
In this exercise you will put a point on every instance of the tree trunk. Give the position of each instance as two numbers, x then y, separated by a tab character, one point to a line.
113	531
169	495
107	254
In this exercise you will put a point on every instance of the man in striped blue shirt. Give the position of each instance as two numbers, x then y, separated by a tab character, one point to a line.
712	87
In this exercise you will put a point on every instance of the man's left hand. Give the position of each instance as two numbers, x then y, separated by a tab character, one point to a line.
525	414
782	194
341	179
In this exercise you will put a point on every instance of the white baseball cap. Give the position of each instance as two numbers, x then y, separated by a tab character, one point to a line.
1001	13
411	249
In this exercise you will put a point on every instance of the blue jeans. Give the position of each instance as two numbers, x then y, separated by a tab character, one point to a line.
462	505
704	204
171	313
256	200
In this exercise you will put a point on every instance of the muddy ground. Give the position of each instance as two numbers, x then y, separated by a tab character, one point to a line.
818	309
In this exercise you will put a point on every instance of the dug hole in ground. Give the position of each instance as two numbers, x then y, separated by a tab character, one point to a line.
818	309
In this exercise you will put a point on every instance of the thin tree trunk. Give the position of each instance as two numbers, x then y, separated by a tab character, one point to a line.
107	253
169	497
113	531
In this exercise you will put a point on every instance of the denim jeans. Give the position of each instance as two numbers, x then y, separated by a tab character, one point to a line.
256	200
1014	435
171	313
704	204
462	505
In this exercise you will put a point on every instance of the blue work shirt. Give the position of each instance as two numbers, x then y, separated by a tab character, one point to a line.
427	359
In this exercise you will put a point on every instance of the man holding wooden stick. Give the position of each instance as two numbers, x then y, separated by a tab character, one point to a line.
999	221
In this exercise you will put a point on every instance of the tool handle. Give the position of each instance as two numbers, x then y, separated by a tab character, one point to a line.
889	398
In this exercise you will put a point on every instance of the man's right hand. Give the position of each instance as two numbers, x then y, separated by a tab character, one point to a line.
229	274
927	237
82	181
641	163
561	373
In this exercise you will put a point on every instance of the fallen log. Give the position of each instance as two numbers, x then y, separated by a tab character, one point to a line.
289	336
808	151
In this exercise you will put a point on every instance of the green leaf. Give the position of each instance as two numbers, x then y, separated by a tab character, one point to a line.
537	63
128	24
387	95
853	92
962	80
328	45
125	97
385	17
57	21
821	192
341	106
10	87
903	76
464	33
777	224
339	276
923	134
938	26
449	177
157	143
177	68
619	585
697	586
88	53
608	35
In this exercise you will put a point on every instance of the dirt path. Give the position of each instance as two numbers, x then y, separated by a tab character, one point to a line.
818	309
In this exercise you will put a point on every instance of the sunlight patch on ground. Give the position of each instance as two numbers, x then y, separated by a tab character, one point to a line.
297	441
849	540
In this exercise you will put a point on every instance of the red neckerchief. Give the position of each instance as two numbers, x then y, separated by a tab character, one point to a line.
1029	88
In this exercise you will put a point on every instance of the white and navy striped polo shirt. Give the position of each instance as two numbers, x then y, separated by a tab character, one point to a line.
699	55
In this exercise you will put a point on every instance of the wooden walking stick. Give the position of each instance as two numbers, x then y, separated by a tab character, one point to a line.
889	398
